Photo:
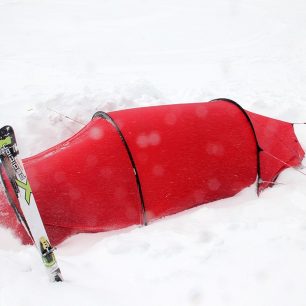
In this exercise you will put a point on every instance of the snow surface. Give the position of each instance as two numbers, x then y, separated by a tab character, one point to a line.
76	57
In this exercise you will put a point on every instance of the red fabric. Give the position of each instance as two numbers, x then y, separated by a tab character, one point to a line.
185	155
85	184
189	154
280	147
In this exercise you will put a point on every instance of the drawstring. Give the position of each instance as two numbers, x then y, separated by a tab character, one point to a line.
67	117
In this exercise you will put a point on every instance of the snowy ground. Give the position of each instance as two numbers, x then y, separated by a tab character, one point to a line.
76	57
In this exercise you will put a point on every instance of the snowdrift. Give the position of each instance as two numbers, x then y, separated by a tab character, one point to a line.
133	166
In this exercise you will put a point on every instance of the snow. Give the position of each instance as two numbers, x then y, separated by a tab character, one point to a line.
72	58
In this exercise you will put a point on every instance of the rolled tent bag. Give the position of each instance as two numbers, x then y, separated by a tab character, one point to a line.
133	166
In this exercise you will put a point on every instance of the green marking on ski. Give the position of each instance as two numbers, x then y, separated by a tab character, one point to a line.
27	188
5	142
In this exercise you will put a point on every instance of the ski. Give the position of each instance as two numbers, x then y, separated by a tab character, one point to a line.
19	194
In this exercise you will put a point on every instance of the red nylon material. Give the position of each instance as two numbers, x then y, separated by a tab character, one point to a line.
189	154
280	147
185	155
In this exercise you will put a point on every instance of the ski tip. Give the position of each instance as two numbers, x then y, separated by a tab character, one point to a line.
56	276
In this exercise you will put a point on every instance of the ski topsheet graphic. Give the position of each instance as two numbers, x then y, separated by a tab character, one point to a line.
13	178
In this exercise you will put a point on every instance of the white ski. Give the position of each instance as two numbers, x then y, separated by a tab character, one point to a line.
12	165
